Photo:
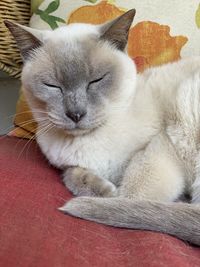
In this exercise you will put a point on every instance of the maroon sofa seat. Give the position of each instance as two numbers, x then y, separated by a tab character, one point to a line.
33	233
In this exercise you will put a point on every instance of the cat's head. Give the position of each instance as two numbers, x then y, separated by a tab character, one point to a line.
77	76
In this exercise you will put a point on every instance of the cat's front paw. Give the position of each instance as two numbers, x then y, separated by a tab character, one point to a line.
81	182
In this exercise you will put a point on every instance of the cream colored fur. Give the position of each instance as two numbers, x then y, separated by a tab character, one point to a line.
145	155
162	121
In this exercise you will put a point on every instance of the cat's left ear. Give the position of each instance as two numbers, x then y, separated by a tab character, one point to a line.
27	39
116	31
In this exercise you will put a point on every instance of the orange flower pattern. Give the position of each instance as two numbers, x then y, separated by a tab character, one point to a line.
96	14
149	43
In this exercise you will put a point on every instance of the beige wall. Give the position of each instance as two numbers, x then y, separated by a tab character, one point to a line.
9	89
3	74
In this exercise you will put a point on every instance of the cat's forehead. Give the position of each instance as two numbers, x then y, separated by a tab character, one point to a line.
72	45
75	59
71	60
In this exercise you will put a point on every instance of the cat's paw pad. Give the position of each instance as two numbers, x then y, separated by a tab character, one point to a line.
82	182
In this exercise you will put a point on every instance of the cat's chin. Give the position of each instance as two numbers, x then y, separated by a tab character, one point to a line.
82	131
78	132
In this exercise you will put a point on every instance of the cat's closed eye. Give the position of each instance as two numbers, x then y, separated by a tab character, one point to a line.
53	86
96	81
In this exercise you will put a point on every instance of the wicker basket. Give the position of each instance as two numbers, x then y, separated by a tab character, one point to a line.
15	10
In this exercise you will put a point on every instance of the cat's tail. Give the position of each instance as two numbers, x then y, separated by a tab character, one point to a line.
177	219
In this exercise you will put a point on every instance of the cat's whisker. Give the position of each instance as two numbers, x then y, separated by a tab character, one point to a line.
25	137
46	130
29	144
12	127
54	120
6	130
26	112
32	138
54	116
31	121
58	123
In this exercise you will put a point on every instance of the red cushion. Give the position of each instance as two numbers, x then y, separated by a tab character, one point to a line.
33	233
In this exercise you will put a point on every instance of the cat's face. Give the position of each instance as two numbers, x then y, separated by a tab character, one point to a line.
73	77
75	82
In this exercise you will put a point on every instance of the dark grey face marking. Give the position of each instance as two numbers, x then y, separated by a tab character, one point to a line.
75	85
76	79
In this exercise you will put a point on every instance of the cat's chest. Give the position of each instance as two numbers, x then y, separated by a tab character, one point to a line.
104	156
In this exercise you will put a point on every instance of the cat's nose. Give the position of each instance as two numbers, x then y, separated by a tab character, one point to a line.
75	116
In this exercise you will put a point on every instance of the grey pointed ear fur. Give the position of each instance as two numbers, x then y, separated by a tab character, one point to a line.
26	41
116	31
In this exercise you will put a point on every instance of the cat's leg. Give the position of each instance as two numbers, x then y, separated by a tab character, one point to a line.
154	173
82	182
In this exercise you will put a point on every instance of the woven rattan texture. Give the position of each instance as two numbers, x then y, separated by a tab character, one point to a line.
18	11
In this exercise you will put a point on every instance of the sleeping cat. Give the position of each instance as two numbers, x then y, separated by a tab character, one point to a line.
128	144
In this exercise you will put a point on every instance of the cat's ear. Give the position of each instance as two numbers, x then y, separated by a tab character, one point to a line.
116	31
27	39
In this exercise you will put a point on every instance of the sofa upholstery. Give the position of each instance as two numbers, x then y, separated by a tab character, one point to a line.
33	233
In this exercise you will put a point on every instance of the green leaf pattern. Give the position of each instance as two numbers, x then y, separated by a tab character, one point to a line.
91	1
197	17
50	19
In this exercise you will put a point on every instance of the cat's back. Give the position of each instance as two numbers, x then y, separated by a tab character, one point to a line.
181	102
175	92
164	80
